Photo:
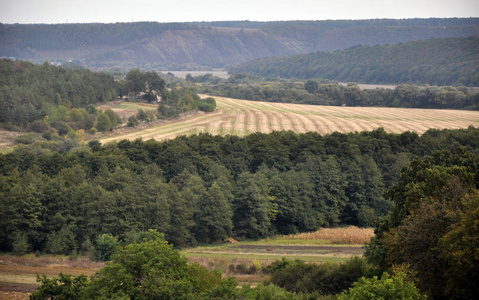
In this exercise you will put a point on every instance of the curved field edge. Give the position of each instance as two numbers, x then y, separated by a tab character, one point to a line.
242	117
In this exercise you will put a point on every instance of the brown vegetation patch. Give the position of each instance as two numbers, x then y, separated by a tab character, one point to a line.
346	235
17	290
7	138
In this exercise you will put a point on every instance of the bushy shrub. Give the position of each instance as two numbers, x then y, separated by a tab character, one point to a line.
327	279
20	244
270	292
28	138
62	242
132	121
388	287
207	105
105	247
63	287
63	128
38	126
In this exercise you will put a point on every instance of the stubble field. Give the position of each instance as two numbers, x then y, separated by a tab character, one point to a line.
242	117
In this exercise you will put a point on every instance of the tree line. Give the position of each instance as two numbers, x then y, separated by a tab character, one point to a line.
58	196
449	61
325	92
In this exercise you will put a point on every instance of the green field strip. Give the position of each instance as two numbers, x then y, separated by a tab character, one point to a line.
134	106
18	278
231	256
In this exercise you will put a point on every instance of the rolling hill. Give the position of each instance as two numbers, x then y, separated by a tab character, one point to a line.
449	61
205	45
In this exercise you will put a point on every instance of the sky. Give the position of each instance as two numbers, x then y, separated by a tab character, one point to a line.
112	11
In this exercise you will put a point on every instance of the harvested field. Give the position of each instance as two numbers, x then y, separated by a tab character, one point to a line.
241	117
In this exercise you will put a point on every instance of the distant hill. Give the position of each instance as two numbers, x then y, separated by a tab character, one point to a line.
204	45
450	61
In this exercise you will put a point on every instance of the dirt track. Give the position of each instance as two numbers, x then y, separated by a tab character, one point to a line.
18	287
355	250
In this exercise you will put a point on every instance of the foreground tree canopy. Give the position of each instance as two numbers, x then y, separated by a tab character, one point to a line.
149	269
432	231
60	196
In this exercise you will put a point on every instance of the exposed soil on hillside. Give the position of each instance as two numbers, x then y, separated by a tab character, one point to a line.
7	138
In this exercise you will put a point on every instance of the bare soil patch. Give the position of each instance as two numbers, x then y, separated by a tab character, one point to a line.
7	138
14	289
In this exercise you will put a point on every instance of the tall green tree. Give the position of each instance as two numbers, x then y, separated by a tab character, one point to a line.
135	81
293	196
103	123
214	219
253	207
154	84
181	218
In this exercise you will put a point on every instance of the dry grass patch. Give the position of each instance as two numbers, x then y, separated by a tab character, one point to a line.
7	295
347	235
50	261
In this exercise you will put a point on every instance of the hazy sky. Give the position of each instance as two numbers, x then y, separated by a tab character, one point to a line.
110	11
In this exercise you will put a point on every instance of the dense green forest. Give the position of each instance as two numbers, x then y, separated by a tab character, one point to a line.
324	92
29	92
47	98
64	197
450	61
425	248
205	45
199	189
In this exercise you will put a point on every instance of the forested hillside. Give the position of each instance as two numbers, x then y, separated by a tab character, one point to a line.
201	45
51	99
29	92
450	61
57	197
